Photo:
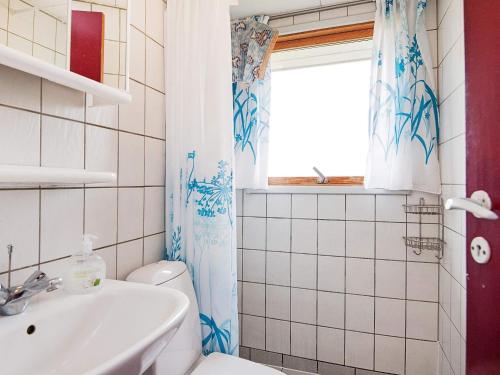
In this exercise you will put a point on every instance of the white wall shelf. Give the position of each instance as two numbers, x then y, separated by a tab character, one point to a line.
101	94
13	175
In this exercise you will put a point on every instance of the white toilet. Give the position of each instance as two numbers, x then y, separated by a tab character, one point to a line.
183	354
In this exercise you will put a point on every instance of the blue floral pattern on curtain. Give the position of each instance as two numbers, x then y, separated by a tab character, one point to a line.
200	225
404	113
251	107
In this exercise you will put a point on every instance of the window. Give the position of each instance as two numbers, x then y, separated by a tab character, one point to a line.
319	112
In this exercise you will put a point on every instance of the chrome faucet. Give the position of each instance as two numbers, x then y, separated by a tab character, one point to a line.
14	300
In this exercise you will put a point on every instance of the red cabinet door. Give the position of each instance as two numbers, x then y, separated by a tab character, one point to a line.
87	44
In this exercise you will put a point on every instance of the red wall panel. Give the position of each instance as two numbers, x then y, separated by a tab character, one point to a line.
482	88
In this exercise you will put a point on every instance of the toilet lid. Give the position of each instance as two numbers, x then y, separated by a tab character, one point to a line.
223	364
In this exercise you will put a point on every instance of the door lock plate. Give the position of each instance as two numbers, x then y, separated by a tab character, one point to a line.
480	250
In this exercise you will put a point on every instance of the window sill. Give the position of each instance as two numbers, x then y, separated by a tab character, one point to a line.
323	189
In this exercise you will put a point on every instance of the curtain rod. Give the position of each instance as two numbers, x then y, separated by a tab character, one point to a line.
317	9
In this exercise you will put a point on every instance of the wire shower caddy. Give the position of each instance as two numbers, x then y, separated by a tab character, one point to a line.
420	243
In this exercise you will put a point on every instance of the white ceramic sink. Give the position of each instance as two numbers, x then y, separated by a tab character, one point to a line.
119	330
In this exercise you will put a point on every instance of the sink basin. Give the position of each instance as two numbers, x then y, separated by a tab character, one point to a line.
119	330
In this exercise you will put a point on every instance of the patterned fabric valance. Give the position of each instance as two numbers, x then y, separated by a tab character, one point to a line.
252	43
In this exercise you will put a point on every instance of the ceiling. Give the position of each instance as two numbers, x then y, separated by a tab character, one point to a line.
271	7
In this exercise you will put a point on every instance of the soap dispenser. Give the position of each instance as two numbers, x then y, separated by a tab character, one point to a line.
86	270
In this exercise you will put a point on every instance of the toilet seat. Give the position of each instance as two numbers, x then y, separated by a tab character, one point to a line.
223	364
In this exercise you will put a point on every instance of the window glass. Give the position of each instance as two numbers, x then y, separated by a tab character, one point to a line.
319	111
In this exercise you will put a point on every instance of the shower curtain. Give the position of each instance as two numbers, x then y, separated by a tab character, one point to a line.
252	43
251	106
404	118
199	185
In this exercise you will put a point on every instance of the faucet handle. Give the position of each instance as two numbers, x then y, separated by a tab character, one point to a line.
36	281
54	284
35	277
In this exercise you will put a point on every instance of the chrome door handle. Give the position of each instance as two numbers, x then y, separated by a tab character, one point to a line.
479	205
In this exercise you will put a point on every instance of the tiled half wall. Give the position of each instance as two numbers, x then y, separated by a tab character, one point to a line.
326	279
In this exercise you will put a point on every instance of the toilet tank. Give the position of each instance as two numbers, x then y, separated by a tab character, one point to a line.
184	349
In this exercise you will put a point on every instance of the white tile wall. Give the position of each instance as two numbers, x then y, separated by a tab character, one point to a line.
100	215
390	317
130	213
334	280
278	234
324	18
303	305
20	135
303	271
61	223
34	32
331	309
330	345
331	274
360	246
62	143
304	206
278	302
331	207
390	279
303	340
359	313
452	284
132	114
19	216
360	276
390	354
129	257
253	332
27	94
278	268
331	237
302	240
279	205
278	336
130	159
359	349
47	124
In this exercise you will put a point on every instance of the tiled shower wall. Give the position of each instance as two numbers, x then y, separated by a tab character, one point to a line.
42	123
326	281
452	271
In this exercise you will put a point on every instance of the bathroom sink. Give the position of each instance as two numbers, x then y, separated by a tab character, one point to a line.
119	330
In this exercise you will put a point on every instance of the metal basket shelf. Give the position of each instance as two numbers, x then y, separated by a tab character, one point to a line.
420	243
423	209
425	243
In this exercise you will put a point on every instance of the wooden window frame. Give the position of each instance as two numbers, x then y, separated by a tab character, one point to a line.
341	34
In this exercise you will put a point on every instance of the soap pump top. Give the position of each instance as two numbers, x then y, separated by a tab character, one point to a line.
88	243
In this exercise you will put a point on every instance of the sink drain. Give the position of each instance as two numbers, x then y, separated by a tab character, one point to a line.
31	329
